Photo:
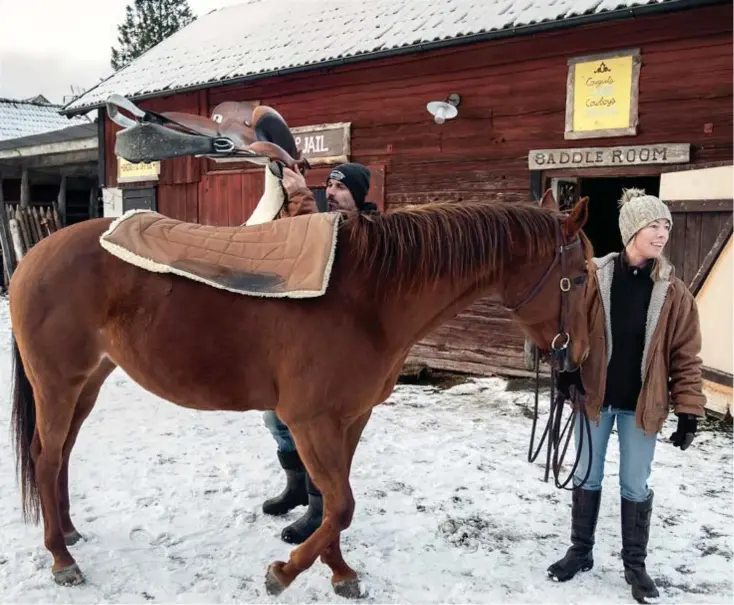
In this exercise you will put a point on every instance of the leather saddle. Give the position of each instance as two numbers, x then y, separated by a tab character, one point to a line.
255	134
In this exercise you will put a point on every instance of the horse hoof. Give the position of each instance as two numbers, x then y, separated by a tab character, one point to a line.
71	576
348	589
72	538
273	584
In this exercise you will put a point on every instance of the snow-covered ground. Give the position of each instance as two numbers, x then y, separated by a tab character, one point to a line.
448	508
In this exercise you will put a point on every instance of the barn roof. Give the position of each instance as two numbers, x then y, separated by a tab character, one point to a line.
69	134
261	38
23	118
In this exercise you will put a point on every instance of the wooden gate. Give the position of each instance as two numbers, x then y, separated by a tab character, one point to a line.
700	200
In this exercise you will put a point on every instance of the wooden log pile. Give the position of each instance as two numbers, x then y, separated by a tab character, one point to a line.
29	225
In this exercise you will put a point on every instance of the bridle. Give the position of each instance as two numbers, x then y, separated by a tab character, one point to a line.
565	284
559	350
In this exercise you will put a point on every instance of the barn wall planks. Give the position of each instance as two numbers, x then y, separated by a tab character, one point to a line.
228	198
482	339
693	235
513	100
180	201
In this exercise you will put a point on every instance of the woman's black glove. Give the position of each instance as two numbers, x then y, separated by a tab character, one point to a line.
686	431
566	380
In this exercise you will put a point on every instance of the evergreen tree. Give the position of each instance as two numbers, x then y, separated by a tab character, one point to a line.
148	22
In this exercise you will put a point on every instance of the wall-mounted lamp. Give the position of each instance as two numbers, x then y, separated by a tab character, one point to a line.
444	110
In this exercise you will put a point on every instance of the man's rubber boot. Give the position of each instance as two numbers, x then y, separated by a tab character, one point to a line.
294	493
299	531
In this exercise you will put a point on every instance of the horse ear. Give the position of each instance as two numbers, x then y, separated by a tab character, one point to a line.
548	201
575	221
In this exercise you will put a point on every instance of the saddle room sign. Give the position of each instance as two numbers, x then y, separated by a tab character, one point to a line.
324	143
597	157
601	95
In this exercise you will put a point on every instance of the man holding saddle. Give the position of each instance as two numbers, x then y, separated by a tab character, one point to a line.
346	190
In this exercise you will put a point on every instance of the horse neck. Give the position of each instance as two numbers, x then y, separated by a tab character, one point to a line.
409	307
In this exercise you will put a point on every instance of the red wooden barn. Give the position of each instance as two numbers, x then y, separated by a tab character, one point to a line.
585	97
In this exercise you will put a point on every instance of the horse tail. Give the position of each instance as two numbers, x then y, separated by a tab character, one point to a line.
24	427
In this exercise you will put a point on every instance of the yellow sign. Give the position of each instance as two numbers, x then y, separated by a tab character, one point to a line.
602	95
127	172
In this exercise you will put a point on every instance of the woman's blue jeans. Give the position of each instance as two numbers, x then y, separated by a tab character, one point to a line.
280	432
636	451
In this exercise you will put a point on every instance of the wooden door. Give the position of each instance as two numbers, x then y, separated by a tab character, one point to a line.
229	198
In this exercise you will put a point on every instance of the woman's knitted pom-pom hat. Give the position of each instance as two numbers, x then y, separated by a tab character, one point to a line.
637	210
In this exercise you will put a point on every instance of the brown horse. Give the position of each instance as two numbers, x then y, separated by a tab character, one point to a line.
78	312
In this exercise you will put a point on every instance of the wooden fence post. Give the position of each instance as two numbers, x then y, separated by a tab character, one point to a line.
93	203
9	260
62	200
15	236
25	189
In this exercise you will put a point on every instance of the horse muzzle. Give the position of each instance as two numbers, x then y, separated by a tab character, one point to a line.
560	354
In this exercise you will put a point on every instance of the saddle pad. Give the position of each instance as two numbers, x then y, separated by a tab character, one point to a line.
286	258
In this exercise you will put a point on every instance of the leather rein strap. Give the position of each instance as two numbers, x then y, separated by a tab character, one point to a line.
553	431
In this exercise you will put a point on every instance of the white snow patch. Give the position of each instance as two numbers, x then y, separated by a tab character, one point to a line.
448	508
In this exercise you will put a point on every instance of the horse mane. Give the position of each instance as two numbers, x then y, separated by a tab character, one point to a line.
410	247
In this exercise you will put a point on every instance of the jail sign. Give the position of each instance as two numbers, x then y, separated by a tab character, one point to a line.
324	143
598	157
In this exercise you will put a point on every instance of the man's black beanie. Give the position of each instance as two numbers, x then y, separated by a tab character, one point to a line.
355	177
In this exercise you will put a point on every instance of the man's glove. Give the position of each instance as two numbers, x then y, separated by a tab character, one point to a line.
687	427
565	381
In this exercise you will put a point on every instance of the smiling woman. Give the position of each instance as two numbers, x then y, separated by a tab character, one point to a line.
644	324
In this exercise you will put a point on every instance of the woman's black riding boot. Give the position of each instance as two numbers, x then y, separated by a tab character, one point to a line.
635	535
584	514
299	531
294	493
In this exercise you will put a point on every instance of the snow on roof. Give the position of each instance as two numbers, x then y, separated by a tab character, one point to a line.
263	37
68	134
20	118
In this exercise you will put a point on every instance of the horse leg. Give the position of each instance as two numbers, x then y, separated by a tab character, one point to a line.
354	433
321	443
55	414
84	406
344	579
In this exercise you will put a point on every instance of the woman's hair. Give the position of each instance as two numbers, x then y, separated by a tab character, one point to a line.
656	268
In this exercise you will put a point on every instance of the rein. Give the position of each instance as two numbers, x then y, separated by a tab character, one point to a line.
553	432
553	428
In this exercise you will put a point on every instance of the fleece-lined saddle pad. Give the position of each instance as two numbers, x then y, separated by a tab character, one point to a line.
286	258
